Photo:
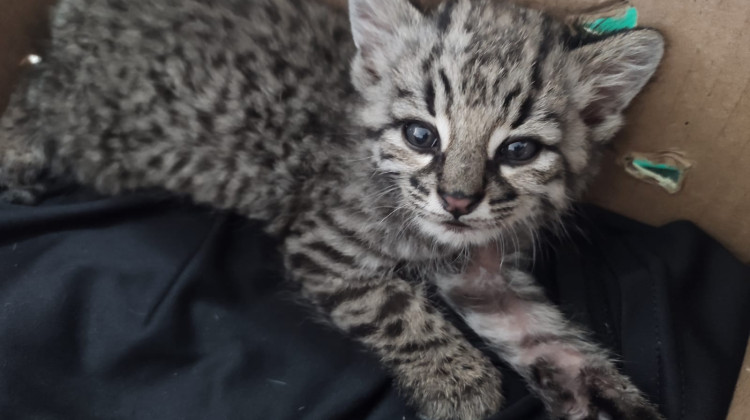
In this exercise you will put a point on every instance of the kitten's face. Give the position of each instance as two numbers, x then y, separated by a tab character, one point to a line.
487	119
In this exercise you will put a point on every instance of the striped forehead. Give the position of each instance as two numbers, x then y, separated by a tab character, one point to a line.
477	80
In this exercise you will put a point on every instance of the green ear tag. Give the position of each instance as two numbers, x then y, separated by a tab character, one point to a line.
625	19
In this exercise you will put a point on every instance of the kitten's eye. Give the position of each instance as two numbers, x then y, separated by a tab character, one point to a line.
421	136
519	151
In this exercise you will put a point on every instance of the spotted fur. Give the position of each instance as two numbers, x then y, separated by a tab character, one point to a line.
291	113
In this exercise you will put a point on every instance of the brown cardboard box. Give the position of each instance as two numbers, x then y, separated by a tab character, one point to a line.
698	104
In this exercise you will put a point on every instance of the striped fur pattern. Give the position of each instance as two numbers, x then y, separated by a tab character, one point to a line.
298	115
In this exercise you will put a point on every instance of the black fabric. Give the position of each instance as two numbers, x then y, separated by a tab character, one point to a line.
141	307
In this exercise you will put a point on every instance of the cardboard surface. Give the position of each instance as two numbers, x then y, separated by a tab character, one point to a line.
699	104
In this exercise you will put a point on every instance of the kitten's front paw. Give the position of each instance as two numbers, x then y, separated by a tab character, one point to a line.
615	398
460	387
620	408
611	396
596	392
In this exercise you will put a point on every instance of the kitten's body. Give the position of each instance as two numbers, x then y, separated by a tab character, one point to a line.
249	106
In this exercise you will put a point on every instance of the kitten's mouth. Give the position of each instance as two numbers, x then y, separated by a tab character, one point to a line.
456	226
456	233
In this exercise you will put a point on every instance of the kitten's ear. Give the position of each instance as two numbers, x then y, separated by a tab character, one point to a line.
375	22
613	72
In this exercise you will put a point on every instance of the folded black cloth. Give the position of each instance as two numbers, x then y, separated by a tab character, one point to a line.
145	307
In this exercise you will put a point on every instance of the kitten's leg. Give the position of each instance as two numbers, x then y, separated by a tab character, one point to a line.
435	367
575	378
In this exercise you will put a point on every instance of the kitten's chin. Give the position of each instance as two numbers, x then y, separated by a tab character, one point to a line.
457	235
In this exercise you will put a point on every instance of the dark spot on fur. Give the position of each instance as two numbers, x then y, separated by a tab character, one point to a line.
179	165
374	133
444	19
206	121
386	156
155	162
544	48
404	93
288	92
227	23
332	253
340	34
429	97
363	330
448	88
273	13
418	186
423	346
509	196
279	66
524	113
374	75
427	65
331	301
119	5
305	263
205	164
395	304
513	94
394	329
219	60
552	117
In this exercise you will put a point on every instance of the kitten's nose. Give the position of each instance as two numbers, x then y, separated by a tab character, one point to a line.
459	204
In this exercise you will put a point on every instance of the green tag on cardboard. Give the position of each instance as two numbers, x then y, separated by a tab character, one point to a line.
623	19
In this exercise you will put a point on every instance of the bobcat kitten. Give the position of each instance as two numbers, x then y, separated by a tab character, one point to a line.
398	140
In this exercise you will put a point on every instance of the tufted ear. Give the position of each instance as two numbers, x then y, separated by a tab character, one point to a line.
376	22
612	72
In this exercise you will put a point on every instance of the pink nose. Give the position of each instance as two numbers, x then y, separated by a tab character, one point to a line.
459	205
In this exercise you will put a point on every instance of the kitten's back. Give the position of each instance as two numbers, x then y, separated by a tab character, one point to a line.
230	101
